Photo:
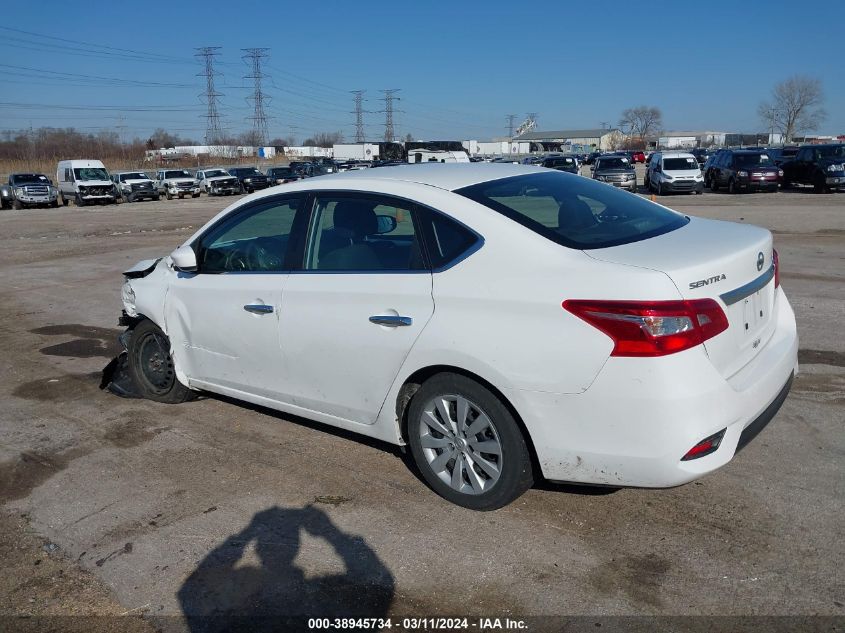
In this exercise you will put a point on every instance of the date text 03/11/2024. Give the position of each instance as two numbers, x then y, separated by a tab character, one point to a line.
417	624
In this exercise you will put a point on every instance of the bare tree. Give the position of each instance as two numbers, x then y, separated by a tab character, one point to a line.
283	141
327	139
641	122
795	106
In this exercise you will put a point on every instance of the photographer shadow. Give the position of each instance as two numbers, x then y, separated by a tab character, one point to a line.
225	593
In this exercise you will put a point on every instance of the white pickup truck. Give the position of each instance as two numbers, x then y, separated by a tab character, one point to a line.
177	182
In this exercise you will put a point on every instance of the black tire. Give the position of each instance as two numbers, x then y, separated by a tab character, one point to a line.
156	198
515	474
195	195
151	366
714	184
168	195
732	188
660	190
819	185
64	200
54	204
78	201
16	205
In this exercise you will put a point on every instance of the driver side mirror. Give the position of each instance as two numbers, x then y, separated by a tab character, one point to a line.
386	224
184	258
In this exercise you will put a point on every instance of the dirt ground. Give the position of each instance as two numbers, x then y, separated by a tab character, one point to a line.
113	507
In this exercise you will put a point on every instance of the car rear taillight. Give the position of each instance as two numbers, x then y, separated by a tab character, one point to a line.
776	264
652	328
705	447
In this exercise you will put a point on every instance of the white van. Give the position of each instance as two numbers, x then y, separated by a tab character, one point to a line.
436	156
668	172
84	182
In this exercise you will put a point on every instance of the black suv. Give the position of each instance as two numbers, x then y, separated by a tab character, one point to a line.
742	170
561	163
822	166
250	178
281	175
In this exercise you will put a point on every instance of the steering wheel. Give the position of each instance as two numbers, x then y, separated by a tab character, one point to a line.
253	257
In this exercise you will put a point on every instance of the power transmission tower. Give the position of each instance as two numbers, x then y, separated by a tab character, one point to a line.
359	115
388	111
532	116
511	118
213	133
259	118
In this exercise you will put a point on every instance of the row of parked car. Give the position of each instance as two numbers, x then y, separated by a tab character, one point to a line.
88	182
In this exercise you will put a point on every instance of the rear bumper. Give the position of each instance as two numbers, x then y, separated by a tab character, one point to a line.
640	416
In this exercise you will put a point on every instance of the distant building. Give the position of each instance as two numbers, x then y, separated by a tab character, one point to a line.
688	139
577	140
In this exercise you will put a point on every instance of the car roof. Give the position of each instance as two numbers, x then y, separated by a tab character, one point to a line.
448	176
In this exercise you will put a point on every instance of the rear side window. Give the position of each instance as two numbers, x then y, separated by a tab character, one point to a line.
575	212
447	241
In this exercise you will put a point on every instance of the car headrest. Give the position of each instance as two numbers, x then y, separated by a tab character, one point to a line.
356	216
574	214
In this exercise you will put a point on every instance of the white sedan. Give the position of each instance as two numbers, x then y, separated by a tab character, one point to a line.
505	322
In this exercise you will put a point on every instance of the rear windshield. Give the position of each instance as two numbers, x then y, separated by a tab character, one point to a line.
574	211
680	163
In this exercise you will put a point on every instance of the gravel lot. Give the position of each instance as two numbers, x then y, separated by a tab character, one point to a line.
213	504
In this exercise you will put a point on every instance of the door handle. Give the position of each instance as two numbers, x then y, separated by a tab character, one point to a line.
390	320
258	308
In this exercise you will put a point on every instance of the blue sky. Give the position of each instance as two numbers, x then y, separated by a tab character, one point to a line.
461	66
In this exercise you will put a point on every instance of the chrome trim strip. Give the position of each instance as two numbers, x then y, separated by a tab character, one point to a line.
748	289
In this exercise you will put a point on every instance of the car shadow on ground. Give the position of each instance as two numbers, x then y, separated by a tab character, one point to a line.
251	582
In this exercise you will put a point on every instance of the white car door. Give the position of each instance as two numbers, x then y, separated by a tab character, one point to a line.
224	318
351	315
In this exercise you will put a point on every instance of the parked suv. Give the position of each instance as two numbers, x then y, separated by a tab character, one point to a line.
561	163
250	178
84	182
822	166
28	190
743	170
134	185
780	155
218	182
669	172
177	182
281	175
615	170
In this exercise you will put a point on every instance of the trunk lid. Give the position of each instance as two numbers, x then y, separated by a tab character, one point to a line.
725	261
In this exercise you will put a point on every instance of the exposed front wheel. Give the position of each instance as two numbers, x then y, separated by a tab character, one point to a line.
195	195
467	444
151	365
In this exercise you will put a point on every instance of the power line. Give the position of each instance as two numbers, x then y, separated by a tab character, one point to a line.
511	118
389	98
259	117
213	133
359	115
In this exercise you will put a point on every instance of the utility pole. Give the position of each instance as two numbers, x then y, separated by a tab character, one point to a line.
511	118
259	119
359	115
388	111
605	125
213	134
